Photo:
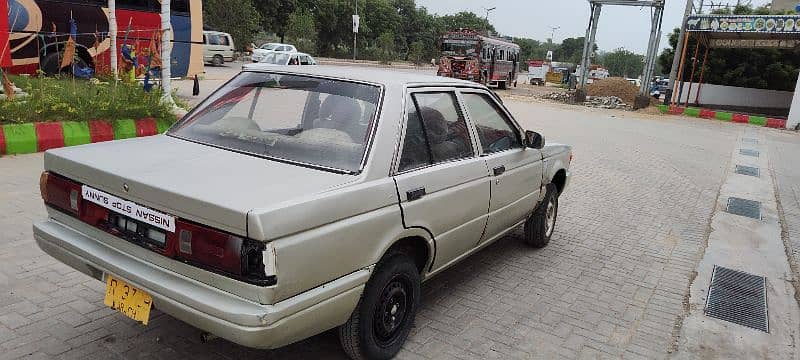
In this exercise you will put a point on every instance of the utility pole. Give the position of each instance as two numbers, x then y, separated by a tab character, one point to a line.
553	32
112	34
588	49
486	19
166	52
673	73
356	20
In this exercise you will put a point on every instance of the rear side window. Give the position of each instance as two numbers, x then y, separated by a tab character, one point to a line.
435	132
495	131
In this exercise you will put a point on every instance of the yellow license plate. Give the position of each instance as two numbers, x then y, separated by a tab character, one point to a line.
125	298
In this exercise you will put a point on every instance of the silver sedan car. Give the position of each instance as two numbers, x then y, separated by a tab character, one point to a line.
294	200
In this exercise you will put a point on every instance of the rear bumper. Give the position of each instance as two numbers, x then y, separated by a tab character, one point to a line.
221	313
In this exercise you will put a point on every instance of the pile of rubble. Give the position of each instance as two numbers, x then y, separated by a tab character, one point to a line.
560	96
613	86
606	102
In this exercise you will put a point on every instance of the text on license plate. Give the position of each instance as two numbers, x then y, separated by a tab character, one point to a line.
123	297
129	208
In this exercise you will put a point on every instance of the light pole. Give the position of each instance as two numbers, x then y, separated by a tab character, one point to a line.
487	17
553	33
356	20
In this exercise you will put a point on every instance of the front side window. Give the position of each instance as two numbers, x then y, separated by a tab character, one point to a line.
436	131
495	131
295	118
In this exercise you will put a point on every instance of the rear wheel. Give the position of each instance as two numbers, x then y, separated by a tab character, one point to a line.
380	324
217	60
540	225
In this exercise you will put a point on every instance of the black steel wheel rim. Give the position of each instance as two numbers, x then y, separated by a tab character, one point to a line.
392	310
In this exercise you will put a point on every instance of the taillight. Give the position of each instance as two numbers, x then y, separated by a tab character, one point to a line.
570	158
217	250
61	193
241	258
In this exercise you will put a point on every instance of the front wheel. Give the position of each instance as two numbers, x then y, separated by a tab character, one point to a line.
380	324
540	225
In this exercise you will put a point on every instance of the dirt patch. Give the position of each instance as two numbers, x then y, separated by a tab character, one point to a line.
613	86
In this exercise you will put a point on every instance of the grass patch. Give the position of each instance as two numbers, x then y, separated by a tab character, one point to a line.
63	99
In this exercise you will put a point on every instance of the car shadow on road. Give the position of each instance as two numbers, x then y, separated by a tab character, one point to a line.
467	274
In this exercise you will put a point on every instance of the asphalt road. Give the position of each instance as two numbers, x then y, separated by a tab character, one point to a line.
632	228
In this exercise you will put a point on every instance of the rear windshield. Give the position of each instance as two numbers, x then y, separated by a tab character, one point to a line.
301	119
276	59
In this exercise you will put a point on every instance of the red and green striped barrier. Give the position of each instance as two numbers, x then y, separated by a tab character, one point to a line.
723	116
40	136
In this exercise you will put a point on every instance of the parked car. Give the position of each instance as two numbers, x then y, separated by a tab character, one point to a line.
299	199
287	58
217	47
267	48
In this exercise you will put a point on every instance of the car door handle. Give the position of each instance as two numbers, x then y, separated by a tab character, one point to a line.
415	194
498	170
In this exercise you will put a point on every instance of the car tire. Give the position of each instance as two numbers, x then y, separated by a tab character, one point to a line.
540	225
217	60
501	85
374	330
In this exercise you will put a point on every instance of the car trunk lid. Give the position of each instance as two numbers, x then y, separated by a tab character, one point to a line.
200	183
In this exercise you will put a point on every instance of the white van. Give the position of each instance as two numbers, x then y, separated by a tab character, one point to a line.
217	47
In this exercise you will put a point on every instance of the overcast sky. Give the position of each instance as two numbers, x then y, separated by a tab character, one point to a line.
620	26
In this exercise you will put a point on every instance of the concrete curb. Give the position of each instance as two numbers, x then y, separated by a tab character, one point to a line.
40	136
723	116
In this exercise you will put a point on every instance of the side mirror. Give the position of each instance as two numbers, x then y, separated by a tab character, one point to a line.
534	140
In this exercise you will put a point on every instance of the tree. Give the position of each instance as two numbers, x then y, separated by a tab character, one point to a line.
416	52
273	13
570	50
236	17
302	30
386	47
623	63
466	20
334	25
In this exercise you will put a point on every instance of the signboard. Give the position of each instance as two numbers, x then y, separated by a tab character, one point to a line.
758	24
754	43
356	19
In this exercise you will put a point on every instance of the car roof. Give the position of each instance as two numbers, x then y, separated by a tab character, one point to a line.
290	53
371	75
271	43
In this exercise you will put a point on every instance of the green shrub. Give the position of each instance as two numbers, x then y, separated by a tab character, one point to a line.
58	99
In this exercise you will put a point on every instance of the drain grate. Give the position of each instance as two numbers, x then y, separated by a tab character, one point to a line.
744	207
738	297
747	170
750	140
748	152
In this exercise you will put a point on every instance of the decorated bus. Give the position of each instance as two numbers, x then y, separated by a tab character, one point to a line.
469	55
40	29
